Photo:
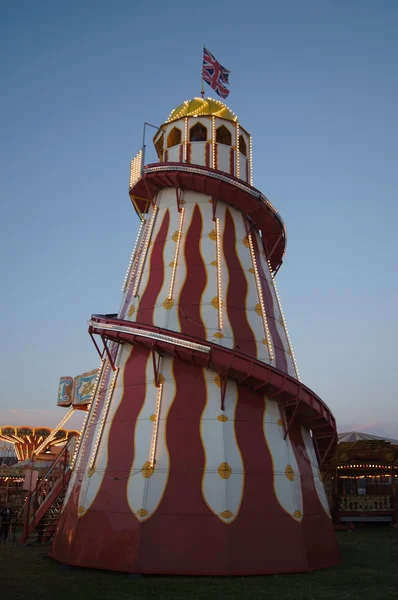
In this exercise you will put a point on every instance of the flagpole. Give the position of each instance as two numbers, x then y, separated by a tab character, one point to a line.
202	91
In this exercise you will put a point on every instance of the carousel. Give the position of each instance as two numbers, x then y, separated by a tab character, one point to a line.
362	479
25	449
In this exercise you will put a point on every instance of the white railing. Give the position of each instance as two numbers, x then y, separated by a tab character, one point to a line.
365	503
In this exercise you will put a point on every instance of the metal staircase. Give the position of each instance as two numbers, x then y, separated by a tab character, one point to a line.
44	504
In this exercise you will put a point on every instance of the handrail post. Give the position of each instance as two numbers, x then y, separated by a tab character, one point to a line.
28	501
65	461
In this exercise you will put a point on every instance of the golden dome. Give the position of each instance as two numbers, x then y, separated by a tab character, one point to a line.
202	106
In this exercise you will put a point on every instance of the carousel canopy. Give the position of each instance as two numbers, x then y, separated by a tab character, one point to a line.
356	436
26	440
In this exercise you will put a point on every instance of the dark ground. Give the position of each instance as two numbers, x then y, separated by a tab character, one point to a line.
369	571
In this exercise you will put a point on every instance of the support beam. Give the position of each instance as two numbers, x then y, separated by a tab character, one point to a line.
332	439
108	353
155	366
223	389
96	345
214	203
291	420
179	198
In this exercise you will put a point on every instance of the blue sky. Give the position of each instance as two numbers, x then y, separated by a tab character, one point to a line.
316	85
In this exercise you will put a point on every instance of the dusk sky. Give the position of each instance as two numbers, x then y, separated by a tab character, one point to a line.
316	85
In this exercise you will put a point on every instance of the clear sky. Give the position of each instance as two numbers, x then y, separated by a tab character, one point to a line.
315	82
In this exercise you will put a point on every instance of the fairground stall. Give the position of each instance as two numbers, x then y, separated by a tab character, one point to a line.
362	479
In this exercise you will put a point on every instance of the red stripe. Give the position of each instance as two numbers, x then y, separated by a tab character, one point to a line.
279	350
264	538
232	161
207	154
110	506
176	538
237	290
156	276
181	153
317	529
191	293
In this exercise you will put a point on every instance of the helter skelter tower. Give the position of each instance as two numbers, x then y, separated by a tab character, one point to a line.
202	448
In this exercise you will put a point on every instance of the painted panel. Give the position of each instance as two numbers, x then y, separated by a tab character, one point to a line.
223	477
173	154
223	158
84	387
147	482
320	488
94	476
198	153
65	391
287	479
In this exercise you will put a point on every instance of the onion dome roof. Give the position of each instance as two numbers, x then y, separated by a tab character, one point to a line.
200	107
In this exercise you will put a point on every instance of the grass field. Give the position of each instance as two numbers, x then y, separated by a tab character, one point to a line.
369	570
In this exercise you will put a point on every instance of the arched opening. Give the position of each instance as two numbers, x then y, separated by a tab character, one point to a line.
198	133
242	145
174	137
223	136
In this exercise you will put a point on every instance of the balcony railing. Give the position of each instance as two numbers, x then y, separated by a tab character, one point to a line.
365	504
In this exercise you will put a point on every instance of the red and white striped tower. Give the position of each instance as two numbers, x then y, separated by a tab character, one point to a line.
202	448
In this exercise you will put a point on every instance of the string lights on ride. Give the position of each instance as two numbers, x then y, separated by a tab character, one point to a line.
150	335
284	321
219	281
145	250
127	276
261	298
213	142
204	109
54	432
91	414
170	297
237	151
82	431
185	145
250	161
136	168
155	427
103	418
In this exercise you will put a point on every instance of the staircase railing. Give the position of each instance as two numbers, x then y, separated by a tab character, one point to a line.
48	488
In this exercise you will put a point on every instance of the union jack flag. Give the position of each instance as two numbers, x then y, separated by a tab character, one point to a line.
215	74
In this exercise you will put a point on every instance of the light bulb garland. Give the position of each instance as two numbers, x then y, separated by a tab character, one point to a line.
213	142
284	321
83	427
237	151
261	298
136	169
219	281
148	231
250	161
103	418
128	272
170	297
185	145
152	454
55	431
79	453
